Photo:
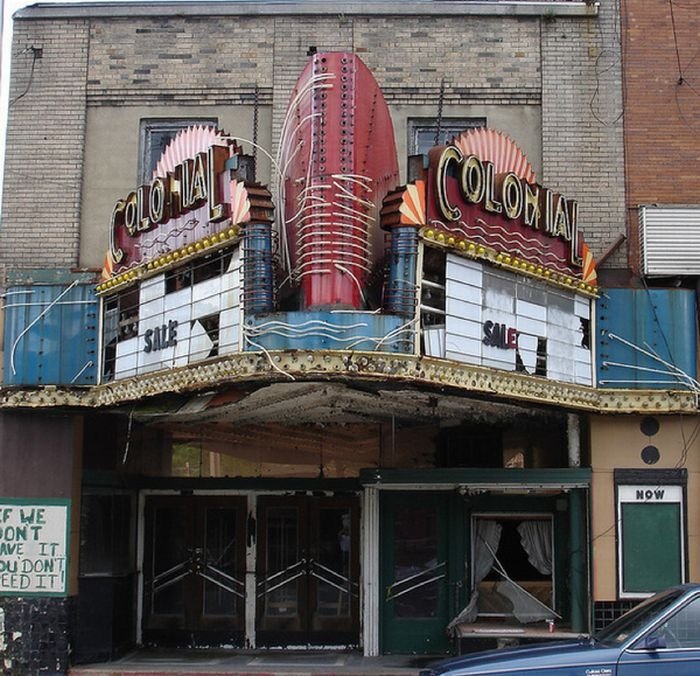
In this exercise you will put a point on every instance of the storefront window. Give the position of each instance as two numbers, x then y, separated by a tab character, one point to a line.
513	567
106	543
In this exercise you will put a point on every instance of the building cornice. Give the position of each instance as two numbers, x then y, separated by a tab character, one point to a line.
438	375
545	8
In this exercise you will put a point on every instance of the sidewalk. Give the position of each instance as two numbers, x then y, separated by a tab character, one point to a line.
159	662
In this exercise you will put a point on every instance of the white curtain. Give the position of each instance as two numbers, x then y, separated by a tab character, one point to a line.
536	539
486	540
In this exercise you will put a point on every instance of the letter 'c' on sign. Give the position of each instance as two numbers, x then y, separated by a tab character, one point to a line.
116	254
449	155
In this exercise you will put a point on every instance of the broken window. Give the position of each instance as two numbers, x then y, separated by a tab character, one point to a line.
512	570
432	303
121	323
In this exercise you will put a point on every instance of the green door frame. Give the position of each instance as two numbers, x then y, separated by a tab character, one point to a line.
562	491
399	631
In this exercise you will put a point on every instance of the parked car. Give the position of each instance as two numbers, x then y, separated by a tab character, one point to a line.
659	637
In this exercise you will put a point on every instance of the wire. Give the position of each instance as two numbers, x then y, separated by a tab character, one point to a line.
675	42
35	55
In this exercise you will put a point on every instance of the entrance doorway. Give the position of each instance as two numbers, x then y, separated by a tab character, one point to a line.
307	571
420	538
194	566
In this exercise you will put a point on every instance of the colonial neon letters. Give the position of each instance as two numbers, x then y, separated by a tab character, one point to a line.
193	183
505	195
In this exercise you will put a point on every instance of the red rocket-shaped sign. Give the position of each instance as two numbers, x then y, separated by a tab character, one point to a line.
338	159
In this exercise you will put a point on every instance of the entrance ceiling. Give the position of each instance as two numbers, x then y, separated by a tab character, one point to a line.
335	403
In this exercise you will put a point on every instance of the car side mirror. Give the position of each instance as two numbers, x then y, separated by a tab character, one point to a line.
654	642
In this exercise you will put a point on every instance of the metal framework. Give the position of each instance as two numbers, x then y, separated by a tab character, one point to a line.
438	375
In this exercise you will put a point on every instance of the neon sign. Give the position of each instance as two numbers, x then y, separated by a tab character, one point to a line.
193	183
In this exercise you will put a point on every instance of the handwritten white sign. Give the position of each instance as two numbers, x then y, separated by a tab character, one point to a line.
33	547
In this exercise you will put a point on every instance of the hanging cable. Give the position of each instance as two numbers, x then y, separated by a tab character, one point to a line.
37	53
675	42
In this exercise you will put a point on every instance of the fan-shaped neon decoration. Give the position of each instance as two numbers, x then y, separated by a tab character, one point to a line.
107	268
497	148
588	273
240	204
187	144
412	207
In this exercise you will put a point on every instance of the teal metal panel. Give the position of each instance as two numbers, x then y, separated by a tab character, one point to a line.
646	338
328	330
50	335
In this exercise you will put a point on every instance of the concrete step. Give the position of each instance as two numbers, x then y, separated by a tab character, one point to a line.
201	662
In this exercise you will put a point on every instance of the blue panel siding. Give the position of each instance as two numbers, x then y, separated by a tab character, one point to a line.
50	335
319	330
652	322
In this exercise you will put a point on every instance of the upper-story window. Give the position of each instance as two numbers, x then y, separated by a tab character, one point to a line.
155	136
426	132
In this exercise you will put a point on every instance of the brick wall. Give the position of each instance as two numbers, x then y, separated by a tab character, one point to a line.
662	107
582	125
179	60
45	138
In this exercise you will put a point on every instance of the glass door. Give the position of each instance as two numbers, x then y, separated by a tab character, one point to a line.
308	571
194	564
416	573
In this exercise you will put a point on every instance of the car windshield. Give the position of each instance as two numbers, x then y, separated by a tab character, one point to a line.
634	620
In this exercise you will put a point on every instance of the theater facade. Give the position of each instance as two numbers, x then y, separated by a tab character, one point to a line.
344	394
304	365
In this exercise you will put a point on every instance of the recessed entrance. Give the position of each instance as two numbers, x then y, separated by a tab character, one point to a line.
304	551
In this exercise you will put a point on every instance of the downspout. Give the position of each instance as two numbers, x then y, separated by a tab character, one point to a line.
573	434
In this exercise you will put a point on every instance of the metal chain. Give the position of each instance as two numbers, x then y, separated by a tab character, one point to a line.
441	99
256	106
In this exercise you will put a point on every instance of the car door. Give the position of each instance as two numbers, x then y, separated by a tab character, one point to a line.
670	648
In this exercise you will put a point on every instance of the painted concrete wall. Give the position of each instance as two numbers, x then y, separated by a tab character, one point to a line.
24	441
617	442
